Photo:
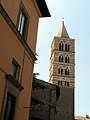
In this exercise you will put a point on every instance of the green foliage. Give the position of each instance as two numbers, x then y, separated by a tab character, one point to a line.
37	85
36	101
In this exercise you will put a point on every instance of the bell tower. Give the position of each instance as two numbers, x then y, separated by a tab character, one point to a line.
62	59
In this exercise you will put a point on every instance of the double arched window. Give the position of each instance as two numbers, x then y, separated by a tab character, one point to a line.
65	47
60	82
61	59
60	70
67	83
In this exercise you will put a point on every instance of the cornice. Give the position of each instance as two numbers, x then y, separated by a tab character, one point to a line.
14	82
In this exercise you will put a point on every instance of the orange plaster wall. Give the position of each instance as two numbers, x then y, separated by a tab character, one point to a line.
33	23
12	8
2	84
10	47
24	98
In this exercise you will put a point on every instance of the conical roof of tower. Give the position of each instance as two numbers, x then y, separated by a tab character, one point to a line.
63	32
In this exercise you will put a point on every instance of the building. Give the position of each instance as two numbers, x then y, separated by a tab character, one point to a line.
57	105
18	33
62	73
49	96
62	64
82	118
62	59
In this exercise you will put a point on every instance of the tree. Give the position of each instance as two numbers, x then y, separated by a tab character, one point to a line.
36	85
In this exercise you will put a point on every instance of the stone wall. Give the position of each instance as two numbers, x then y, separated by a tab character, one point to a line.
58	103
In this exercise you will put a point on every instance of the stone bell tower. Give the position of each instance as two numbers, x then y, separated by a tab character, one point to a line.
62	60
62	73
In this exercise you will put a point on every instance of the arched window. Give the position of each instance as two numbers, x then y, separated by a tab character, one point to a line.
67	59
65	83
60	70
68	83
60	58
61	46
60	82
67	71
67	47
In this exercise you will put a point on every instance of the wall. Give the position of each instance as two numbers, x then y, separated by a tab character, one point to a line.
59	103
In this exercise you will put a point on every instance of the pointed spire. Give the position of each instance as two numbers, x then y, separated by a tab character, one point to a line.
63	32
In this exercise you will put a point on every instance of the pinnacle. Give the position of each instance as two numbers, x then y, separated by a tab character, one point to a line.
63	32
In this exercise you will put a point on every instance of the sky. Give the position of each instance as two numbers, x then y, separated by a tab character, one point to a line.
76	14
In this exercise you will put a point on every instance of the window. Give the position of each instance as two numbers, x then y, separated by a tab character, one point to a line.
23	22
67	47
15	69
60	70
66	71
68	83
67	60
60	58
9	107
60	83
65	83
61	46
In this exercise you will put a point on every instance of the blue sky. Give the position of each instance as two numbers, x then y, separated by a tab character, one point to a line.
76	14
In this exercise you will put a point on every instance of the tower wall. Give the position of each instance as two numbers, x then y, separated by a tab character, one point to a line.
65	104
62	73
55	63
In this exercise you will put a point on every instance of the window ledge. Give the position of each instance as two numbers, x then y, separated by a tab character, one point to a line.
14	82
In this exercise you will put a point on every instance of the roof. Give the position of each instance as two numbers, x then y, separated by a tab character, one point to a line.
81	118
63	32
43	8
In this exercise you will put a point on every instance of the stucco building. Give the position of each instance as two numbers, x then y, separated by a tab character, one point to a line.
18	33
